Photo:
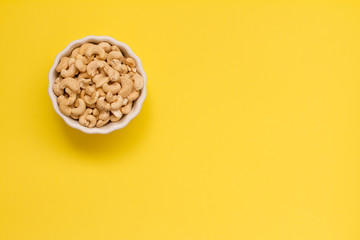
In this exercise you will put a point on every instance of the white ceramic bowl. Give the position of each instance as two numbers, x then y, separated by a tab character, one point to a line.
125	49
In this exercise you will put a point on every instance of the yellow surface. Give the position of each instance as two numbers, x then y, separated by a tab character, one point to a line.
250	129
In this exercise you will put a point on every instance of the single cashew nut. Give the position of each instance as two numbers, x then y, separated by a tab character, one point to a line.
114	55
87	60
79	64
114	118
101	104
91	99
117	103
75	52
71	83
72	96
127	108
84	82
71	71
100	79
64	64
110	97
89	90
101	123
106	46
92	121
96	112
64	107
138	81
95	50
82	119
101	92
113	88
115	48
131	62
112	73
80	107
84	47
116	64
83	75
115	59
117	113
92	68
104	115
76	117
68	98
134	95
56	87
126	86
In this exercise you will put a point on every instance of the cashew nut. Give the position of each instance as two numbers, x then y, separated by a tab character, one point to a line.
56	87
116	64
126	86
95	50
60	98
84	75
114	55
110	97
64	64
80	107
113	87
84	82
64	102
114	59
114	118
71	96
87	60
92	68
104	115
101	123
138	81
71	71
112	73
115	48
131	62
84	47
76	117
71	83
133	96
75	52
106	46
101	92
79	64
117	113
82	119
64	108
92	121
101	104
89	90
96	112
100	80
127	108
91	99
117	103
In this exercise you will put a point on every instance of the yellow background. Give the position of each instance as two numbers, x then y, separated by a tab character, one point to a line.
250	129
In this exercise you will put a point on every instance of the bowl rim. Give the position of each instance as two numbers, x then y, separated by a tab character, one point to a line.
110	127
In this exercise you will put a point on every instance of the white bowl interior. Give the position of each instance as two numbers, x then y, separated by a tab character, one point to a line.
125	49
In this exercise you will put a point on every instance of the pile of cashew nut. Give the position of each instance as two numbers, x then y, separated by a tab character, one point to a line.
97	84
